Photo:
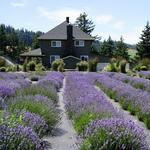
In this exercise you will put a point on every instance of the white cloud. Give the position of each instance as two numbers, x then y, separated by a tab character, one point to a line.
59	15
133	36
119	25
104	19
18	3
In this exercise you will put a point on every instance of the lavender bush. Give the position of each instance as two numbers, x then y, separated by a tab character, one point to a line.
114	134
19	137
136	82
134	100
90	109
145	74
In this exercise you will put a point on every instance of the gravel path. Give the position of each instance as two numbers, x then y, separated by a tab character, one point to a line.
126	114
64	136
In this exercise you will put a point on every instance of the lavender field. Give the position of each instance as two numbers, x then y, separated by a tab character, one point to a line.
29	110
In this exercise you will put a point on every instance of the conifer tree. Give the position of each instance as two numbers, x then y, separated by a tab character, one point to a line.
143	47
84	23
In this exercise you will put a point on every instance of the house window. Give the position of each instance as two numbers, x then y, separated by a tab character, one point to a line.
79	43
55	43
53	58
84	57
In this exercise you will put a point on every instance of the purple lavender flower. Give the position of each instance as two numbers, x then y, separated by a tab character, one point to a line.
19	137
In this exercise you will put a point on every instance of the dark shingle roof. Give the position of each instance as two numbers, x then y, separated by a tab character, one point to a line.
35	52
60	33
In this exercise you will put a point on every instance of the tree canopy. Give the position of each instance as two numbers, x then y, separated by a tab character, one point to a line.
143	47
84	23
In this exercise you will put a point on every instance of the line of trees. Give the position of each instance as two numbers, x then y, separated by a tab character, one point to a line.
14	42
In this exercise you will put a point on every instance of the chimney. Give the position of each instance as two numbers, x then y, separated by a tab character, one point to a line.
67	19
69	32
69	39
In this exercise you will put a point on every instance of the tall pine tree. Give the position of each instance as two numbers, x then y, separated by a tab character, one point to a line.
143	47
84	23
121	50
107	47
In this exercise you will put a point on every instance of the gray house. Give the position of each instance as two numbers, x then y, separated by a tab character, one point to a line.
66	42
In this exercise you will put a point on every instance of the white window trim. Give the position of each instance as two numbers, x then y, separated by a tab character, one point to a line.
58	44
80	45
56	57
85	56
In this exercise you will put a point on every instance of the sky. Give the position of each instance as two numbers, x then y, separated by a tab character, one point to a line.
116	18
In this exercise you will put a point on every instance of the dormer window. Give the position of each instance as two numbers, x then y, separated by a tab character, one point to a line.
79	43
55	43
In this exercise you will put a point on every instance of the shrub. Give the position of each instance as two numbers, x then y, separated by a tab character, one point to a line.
82	66
93	65
25	67
3	69
85	118
31	66
2	62
61	67
114	134
40	67
123	66
58	65
48	91
19	137
28	119
48	114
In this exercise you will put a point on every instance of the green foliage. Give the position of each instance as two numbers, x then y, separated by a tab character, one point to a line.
108	140
25	67
123	66
2	62
31	65
58	65
84	119
3	69
39	67
143	64
48	114
121	50
85	24
107	48
82	66
143	47
93	65
38	90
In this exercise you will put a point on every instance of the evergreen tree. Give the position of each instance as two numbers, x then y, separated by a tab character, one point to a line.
143	47
2	38
84	23
35	43
121	50
107	47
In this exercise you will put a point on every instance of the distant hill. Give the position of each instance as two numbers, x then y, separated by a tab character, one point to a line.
131	46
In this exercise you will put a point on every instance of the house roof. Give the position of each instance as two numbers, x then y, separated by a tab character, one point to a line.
60	33
35	52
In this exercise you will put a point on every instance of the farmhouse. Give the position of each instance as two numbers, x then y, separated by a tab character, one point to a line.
66	42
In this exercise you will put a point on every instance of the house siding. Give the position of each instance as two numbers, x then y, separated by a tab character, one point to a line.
47	50
86	50
62	51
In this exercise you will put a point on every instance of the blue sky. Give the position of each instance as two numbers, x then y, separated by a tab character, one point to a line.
111	17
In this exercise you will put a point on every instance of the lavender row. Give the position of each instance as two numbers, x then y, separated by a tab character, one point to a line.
136	82
144	74
30	114
135	100
81	96
96	120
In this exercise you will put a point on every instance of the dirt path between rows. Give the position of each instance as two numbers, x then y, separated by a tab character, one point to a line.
64	136
126	114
